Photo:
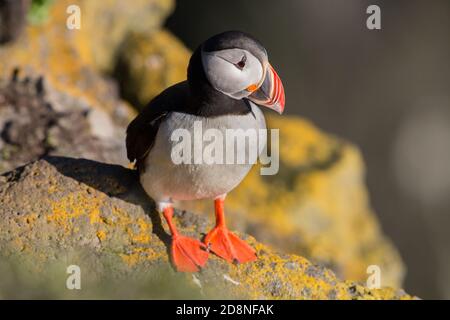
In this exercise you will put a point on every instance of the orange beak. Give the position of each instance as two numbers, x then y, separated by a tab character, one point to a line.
270	93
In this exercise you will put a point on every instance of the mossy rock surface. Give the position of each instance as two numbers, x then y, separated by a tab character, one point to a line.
61	211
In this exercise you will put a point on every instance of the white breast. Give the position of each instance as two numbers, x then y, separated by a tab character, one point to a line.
164	180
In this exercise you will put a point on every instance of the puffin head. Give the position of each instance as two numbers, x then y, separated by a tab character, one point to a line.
237	65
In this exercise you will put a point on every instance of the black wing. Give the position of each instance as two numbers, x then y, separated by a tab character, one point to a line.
141	132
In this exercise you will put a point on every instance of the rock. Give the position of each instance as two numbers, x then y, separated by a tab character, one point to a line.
37	120
316	206
86	117
71	60
73	64
149	63
106	24
59	211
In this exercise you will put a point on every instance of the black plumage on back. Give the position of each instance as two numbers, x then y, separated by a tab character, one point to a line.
141	132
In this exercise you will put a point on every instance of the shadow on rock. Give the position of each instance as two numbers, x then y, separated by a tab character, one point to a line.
115	181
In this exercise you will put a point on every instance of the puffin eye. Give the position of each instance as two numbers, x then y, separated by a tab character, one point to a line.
241	64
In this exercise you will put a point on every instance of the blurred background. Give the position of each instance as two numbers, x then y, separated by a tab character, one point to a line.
386	90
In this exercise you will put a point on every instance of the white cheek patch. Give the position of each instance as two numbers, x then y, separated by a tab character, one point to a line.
225	77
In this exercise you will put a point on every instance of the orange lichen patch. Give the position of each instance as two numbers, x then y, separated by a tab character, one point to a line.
140	254
52	189
143	235
73	206
94	216
255	278
301	143
270	278
30	218
78	205
101	235
128	224
130	259
151	63
100	38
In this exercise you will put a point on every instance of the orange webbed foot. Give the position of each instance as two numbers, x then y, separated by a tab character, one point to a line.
188	254
228	246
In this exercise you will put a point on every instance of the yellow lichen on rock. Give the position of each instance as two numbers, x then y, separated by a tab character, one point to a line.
71	58
65	210
101	235
295	277
302	144
149	63
106	24
61	211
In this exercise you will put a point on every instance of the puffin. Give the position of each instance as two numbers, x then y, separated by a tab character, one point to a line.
229	78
